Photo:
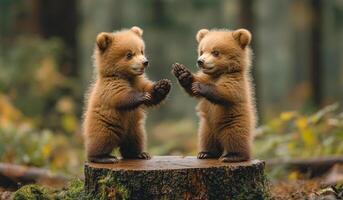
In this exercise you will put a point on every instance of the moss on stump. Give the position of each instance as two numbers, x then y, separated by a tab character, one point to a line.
174	177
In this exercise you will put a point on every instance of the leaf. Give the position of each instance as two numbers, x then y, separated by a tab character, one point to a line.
301	123
46	150
285	116
308	137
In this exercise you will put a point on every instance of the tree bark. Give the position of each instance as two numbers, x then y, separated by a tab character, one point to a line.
174	177
315	53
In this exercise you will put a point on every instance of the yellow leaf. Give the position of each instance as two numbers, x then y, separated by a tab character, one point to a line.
46	150
301	123
285	116
308	137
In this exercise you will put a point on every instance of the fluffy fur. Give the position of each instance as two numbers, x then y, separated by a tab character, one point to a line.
223	86
114	116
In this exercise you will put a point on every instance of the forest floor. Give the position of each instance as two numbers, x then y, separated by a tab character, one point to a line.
305	189
285	190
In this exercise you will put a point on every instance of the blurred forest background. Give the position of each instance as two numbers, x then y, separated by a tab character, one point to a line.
46	66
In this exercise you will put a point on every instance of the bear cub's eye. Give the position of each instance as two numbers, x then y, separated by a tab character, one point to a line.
142	52
215	53
129	55
201	52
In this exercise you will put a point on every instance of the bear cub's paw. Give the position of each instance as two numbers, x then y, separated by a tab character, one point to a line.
183	75
206	155
144	156
233	157
162	87
160	90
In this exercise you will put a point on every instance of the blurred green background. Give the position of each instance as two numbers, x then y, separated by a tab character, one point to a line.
46	66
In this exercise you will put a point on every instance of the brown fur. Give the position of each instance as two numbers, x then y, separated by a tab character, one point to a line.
115	116
223	85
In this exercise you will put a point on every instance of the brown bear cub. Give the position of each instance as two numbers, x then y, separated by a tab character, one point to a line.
223	85
115	112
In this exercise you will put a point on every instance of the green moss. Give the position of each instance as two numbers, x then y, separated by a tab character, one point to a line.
75	190
32	192
110	188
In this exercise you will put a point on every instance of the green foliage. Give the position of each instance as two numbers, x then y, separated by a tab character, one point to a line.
38	112
294	135
74	190
23	144
111	188
32	192
32	79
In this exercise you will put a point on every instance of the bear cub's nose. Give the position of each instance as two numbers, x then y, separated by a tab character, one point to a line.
146	63
200	63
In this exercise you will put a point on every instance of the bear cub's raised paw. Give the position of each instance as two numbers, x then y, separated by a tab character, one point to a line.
183	75
161	88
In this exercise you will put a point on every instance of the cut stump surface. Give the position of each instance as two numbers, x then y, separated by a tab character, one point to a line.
176	177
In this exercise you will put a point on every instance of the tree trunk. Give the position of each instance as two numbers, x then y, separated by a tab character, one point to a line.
14	176
175	177
315	54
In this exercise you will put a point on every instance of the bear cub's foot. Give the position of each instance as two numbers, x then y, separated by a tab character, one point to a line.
233	157
144	155
103	159
206	155
182	74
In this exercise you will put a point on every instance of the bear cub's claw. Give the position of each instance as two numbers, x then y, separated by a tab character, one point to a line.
144	155
233	157
182	74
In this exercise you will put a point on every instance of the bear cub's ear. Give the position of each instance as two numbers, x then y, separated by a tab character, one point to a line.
137	30
103	40
201	34
242	36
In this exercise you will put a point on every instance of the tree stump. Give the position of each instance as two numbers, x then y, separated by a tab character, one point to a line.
176	177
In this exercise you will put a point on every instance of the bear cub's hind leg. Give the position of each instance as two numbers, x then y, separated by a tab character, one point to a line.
133	145
236	144
209	147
